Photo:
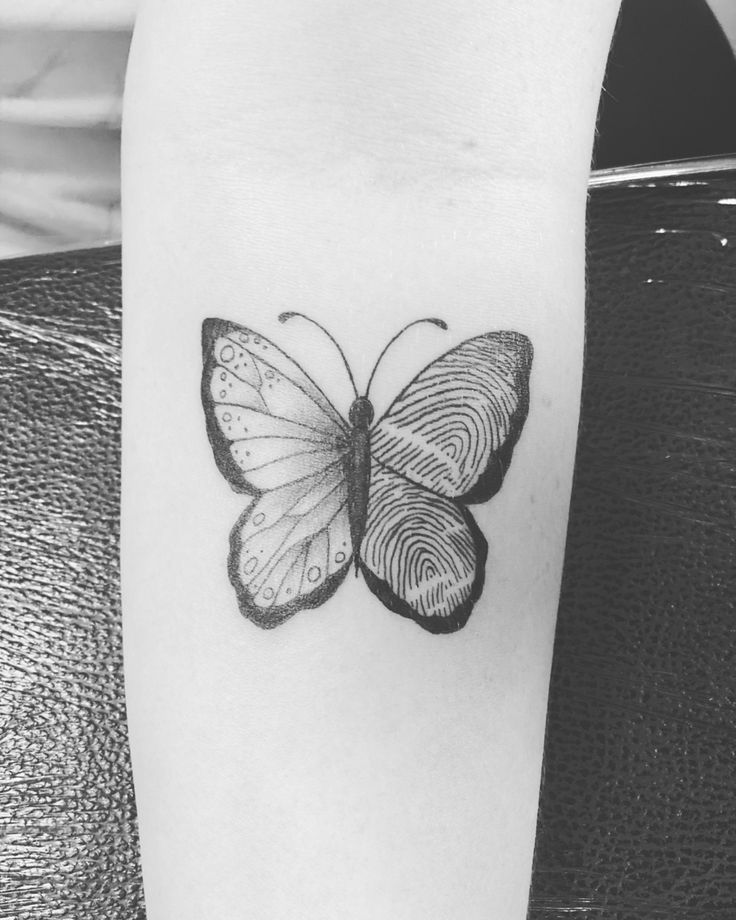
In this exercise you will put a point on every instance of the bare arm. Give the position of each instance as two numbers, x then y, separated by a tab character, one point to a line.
367	165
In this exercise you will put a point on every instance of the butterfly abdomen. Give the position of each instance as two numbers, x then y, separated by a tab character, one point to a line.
358	470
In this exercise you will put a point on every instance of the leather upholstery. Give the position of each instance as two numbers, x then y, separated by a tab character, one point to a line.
637	817
638	811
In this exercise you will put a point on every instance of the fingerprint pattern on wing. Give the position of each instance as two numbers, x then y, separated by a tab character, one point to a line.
425	552
447	426
292	547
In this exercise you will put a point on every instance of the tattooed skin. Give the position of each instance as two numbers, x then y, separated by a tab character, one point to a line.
388	497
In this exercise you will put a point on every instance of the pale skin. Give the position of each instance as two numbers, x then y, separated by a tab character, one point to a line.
366	165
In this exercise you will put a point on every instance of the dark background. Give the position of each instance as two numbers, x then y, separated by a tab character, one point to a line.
670	87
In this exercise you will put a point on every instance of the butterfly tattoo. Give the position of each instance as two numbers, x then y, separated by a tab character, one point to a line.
388	498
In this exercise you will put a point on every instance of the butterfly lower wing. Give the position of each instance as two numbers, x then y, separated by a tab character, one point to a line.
268	423
422	555
453	429
291	549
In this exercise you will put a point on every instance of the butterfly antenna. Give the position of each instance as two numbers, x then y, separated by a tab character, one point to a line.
284	317
435	322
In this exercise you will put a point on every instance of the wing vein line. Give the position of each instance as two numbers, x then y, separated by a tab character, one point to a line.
298	453
288	572
284	437
338	418
275	418
322	477
272	565
302	478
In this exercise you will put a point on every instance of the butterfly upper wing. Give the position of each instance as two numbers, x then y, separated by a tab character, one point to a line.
453	429
268	423
422	555
446	441
276	436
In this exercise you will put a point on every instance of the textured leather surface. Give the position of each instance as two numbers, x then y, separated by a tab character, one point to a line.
638	818
638	811
68	846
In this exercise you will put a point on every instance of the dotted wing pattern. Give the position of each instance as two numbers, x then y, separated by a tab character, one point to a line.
277	437
269	424
292	548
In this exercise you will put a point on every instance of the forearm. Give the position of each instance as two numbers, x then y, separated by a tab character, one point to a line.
366	166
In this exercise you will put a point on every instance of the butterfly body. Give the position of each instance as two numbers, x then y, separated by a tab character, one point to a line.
388	497
357	463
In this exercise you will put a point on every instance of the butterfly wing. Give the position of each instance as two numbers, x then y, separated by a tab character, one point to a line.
277	437
422	555
292	548
268	423
446	441
453	429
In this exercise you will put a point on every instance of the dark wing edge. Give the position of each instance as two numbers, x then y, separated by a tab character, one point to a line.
271	617
212	329
461	614
491	479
